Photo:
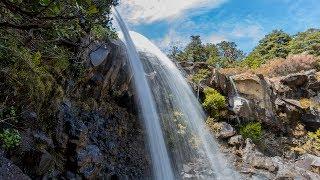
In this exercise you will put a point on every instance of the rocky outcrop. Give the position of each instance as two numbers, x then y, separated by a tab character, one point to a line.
275	167
100	144
277	102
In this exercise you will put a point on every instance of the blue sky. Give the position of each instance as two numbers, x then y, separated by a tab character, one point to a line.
171	22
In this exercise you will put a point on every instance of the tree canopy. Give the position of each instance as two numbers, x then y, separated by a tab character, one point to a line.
276	44
216	54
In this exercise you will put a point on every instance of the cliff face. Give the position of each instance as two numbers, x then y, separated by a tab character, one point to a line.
279	102
93	132
286	107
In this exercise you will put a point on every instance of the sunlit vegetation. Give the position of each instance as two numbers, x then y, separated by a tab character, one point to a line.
252	131
276	50
310	145
40	47
214	102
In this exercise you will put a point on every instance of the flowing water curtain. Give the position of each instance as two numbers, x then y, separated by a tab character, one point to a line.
160	159
181	115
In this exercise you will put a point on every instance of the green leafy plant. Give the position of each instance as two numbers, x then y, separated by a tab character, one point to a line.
315	138
10	138
252	130
214	102
12	111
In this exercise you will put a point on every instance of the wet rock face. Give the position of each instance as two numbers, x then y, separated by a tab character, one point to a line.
102	144
108	71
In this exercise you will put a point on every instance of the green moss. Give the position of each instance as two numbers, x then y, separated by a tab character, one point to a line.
214	102
10	138
252	131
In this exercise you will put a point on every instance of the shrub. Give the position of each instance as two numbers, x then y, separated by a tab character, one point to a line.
214	102
293	64
315	138
10	138
252	131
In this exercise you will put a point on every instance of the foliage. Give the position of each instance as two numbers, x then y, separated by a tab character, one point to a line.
10	138
213	54
253	61
100	32
306	42
214	102
228	52
315	138
311	144
41	45
50	13
292	64
194	51
222	55
273	45
252	131
200	75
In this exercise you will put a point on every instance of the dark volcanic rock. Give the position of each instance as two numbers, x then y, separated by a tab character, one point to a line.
9	171
89	159
102	143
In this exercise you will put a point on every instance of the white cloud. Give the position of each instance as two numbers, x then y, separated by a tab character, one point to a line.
172	38
254	32
148	11
216	38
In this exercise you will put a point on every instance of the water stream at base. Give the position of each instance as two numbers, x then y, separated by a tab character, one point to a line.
174	119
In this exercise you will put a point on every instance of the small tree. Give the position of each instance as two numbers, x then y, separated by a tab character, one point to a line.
228	52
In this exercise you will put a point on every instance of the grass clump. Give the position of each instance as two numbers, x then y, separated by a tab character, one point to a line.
252	130
214	102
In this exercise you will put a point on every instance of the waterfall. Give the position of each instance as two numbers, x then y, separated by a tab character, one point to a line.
160	159
172	115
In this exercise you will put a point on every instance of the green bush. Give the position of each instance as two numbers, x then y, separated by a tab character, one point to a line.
10	138
214	102
252	131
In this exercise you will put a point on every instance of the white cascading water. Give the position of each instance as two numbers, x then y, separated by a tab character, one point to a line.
172	115
160	159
